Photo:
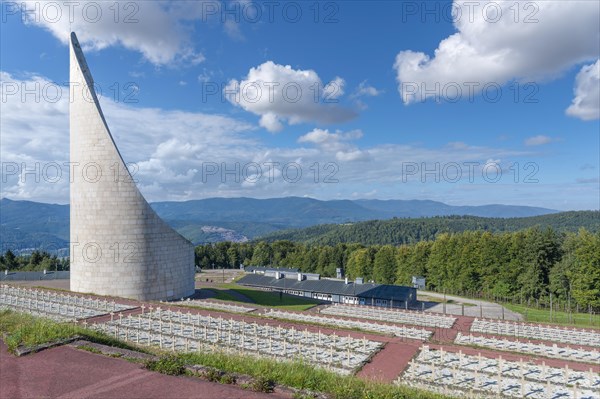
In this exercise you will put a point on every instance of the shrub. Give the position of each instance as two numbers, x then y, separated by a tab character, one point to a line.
170	365
262	384
227	379
212	375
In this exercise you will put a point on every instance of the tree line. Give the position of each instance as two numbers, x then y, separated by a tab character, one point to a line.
399	231
36	261
526	265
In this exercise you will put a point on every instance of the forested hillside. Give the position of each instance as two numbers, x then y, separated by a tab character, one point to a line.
405	231
37	261
526	265
26	225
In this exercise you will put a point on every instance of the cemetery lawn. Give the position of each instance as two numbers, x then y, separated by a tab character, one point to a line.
22	329
221	294
561	318
307	377
29	331
271	299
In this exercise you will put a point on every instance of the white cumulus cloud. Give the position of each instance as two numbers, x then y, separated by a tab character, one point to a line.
334	89
495	44
339	143
172	151
586	104
157	29
165	147
279	93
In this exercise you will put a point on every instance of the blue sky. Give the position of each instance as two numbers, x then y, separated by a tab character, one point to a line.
376	130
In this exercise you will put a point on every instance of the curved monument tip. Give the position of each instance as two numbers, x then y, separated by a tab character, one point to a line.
163	261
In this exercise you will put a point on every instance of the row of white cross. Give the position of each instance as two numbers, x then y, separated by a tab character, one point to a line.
391	315
540	349
399	331
219	306
57	306
187	332
58	297
542	332
481	377
51	310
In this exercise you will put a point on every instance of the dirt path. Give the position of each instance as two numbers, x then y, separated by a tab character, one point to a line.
65	372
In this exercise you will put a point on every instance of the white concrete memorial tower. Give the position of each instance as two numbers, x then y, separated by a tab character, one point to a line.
119	245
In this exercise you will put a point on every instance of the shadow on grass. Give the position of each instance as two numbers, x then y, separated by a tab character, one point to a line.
240	294
277	300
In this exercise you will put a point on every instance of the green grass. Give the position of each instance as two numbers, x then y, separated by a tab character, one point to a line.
264	298
222	294
271	299
169	365
561	318
29	331
304	376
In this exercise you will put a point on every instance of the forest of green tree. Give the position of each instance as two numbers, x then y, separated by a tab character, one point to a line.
37	261
527	265
411	230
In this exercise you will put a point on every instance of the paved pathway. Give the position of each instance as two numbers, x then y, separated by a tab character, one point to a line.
447	335
65	372
387	364
487	309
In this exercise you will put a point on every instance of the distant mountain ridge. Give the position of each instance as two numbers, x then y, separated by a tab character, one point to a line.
427	208
300	211
28	224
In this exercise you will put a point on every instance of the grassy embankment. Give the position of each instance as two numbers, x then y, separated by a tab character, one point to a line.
534	315
29	331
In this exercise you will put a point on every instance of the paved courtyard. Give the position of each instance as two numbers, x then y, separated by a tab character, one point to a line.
66	372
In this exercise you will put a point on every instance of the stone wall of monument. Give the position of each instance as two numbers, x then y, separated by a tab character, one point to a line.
119	245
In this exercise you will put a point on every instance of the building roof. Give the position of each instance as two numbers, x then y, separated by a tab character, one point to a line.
368	290
29	276
251	269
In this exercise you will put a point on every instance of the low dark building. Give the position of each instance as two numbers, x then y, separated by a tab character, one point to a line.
338	291
267	269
